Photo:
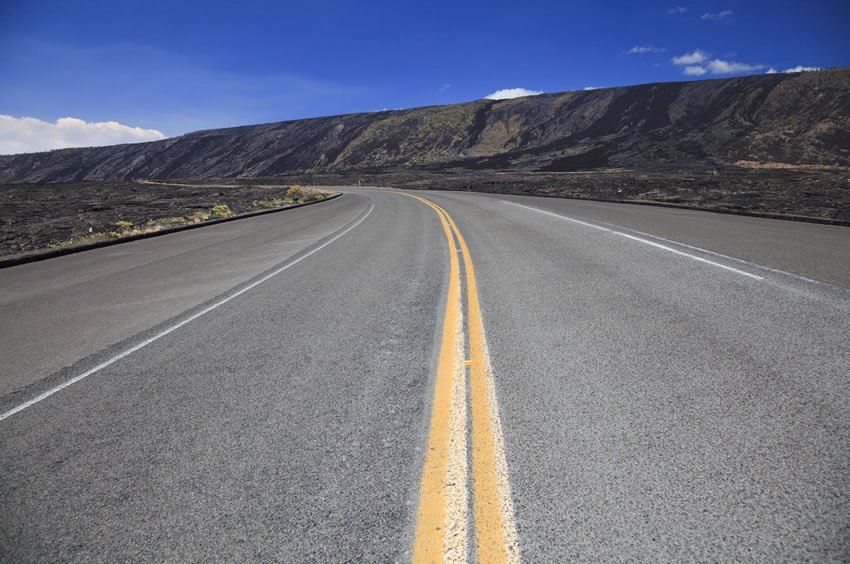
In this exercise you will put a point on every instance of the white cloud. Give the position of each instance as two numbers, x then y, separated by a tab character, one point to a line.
695	58
717	66
694	71
445	87
507	93
800	68
28	135
697	64
642	49
771	70
718	16
677	10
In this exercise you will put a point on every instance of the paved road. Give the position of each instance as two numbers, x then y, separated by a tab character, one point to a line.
642	384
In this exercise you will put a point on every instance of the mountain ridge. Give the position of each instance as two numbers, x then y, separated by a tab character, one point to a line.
801	118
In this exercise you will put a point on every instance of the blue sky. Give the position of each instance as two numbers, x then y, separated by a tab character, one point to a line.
181	66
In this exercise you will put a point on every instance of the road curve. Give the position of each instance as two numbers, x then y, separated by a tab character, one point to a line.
660	384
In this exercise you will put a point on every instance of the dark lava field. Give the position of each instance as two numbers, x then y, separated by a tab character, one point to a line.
34	216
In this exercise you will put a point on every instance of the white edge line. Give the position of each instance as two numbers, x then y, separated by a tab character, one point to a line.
641	240
176	326
738	260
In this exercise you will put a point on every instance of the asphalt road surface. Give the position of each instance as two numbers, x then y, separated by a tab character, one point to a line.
471	377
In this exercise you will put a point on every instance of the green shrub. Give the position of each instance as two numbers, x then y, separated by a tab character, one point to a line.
312	195
267	204
167	220
295	192
220	211
124	225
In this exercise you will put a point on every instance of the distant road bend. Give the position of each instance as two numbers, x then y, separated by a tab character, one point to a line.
433	376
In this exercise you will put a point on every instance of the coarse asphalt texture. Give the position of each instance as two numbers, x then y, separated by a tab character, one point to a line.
673	385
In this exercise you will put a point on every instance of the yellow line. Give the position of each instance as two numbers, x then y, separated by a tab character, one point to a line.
495	526
441	525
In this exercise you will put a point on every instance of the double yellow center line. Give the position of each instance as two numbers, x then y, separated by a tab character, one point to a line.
442	527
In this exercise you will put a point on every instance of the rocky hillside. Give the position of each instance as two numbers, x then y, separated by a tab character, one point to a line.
778	118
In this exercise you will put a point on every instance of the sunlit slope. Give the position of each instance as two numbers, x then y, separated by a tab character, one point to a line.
783	118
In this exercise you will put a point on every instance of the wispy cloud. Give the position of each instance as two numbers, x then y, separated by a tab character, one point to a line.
507	93
698	63
29	135
643	49
677	10
695	58
591	87
800	68
142	84
719	16
717	66
445	87
694	71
